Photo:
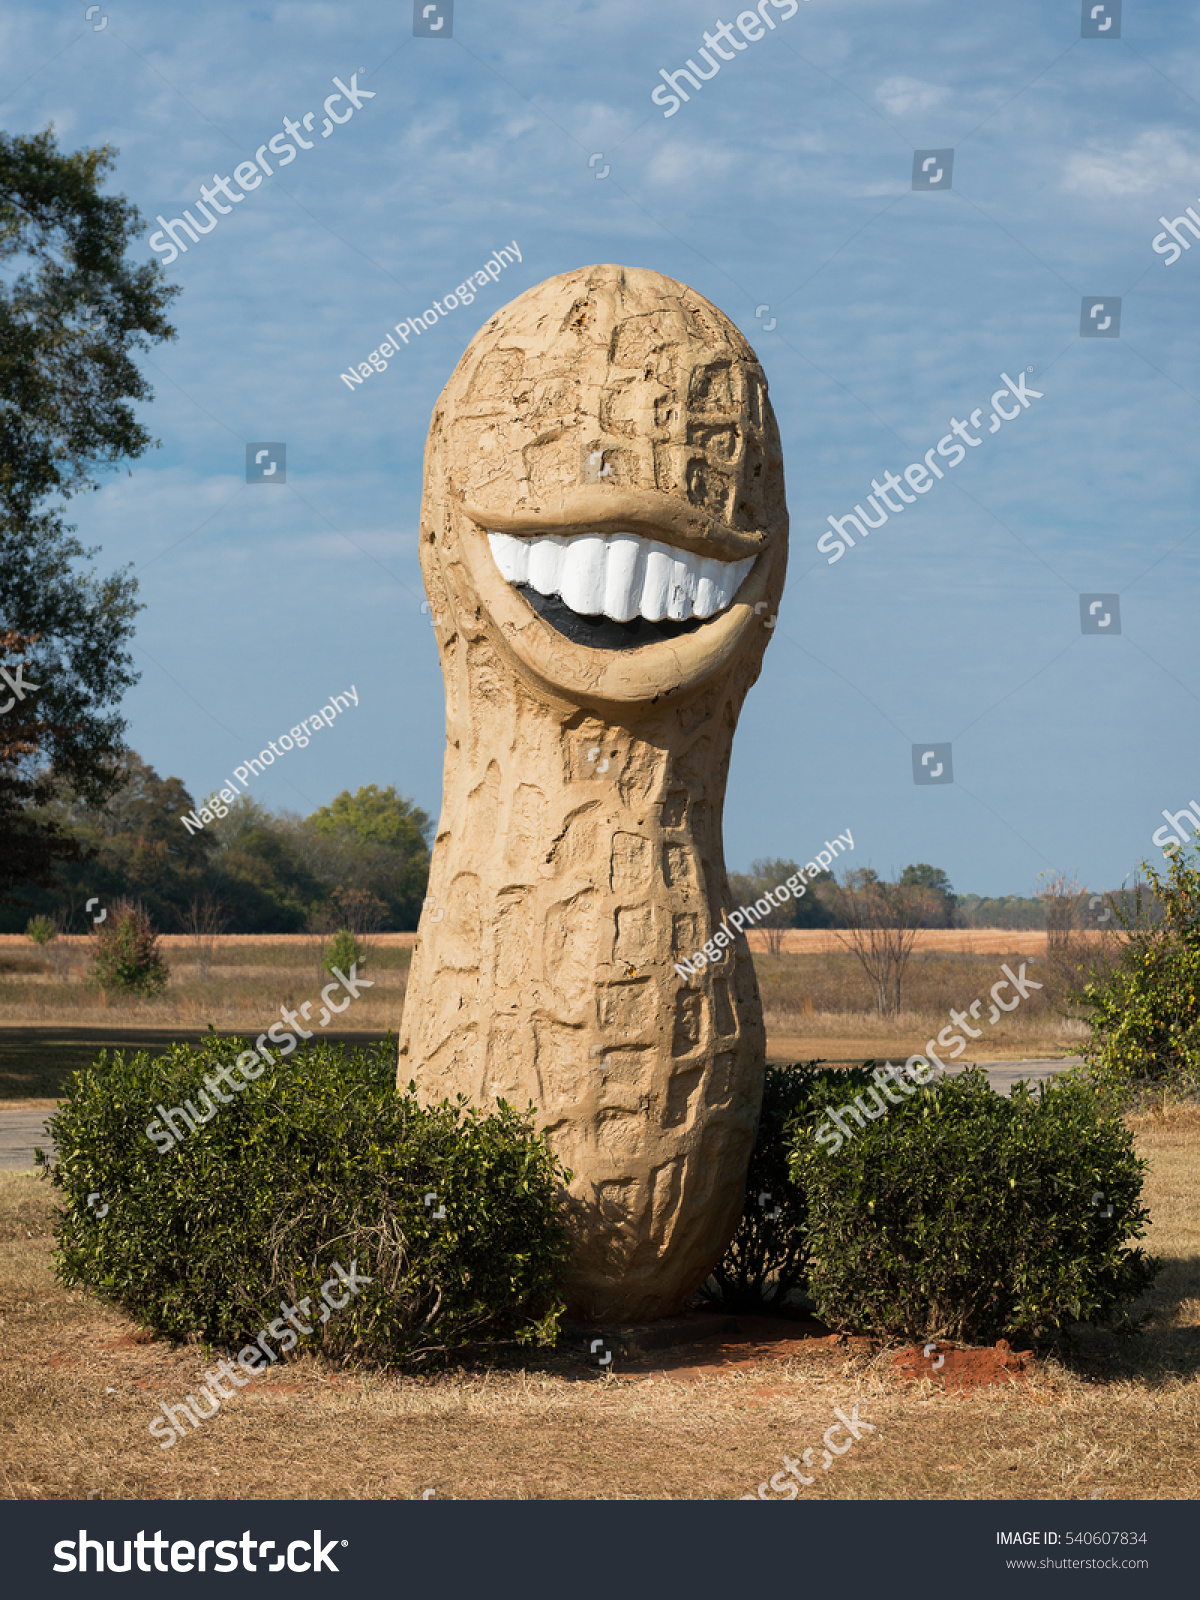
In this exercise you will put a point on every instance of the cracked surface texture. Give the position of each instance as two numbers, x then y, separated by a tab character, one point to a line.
578	855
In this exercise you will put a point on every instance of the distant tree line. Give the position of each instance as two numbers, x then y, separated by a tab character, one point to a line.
360	862
1061	907
920	897
1006	911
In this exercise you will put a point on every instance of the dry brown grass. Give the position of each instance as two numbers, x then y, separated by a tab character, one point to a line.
1029	942
249	979
816	995
77	1391
822	998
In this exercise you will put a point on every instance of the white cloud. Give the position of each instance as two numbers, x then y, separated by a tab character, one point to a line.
902	95
1159	159
676	164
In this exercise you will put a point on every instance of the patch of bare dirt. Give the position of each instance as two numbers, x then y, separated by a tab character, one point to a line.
957	1370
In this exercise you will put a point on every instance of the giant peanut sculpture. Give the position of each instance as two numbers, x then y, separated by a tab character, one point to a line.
603	543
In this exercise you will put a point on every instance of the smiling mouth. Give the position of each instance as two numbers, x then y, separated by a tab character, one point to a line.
617	590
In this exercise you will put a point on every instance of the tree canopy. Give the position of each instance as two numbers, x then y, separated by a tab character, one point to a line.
264	872
373	816
942	902
72	312
810	911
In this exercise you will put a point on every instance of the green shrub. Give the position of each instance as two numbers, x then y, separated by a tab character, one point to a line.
127	959
41	930
767	1256
344	950
964	1214
1145	1020
319	1160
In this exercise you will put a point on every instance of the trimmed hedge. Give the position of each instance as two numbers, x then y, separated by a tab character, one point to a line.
960	1213
767	1257
321	1160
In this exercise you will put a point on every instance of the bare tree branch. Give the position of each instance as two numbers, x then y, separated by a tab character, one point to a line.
879	926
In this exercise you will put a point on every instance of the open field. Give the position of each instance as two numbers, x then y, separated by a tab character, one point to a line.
1115	1419
816	1001
1030	942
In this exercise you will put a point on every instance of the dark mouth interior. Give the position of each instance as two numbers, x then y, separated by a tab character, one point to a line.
602	633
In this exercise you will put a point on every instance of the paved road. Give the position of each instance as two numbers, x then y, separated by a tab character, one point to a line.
1003	1074
22	1131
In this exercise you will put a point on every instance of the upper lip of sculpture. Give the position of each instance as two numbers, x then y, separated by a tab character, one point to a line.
619	574
649	513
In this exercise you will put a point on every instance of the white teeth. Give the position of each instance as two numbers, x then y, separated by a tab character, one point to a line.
545	563
657	584
620	575
581	574
624	573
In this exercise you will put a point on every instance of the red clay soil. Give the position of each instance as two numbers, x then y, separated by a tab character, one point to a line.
963	1369
752	1340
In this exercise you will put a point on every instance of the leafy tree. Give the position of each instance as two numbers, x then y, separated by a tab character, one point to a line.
71	314
32	843
1006	911
942	901
262	869
133	843
1145	1012
252	870
376	841
146	849
127	959
343	952
810	911
373	816
357	910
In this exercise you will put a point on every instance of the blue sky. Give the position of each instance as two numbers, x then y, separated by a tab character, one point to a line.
785	183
